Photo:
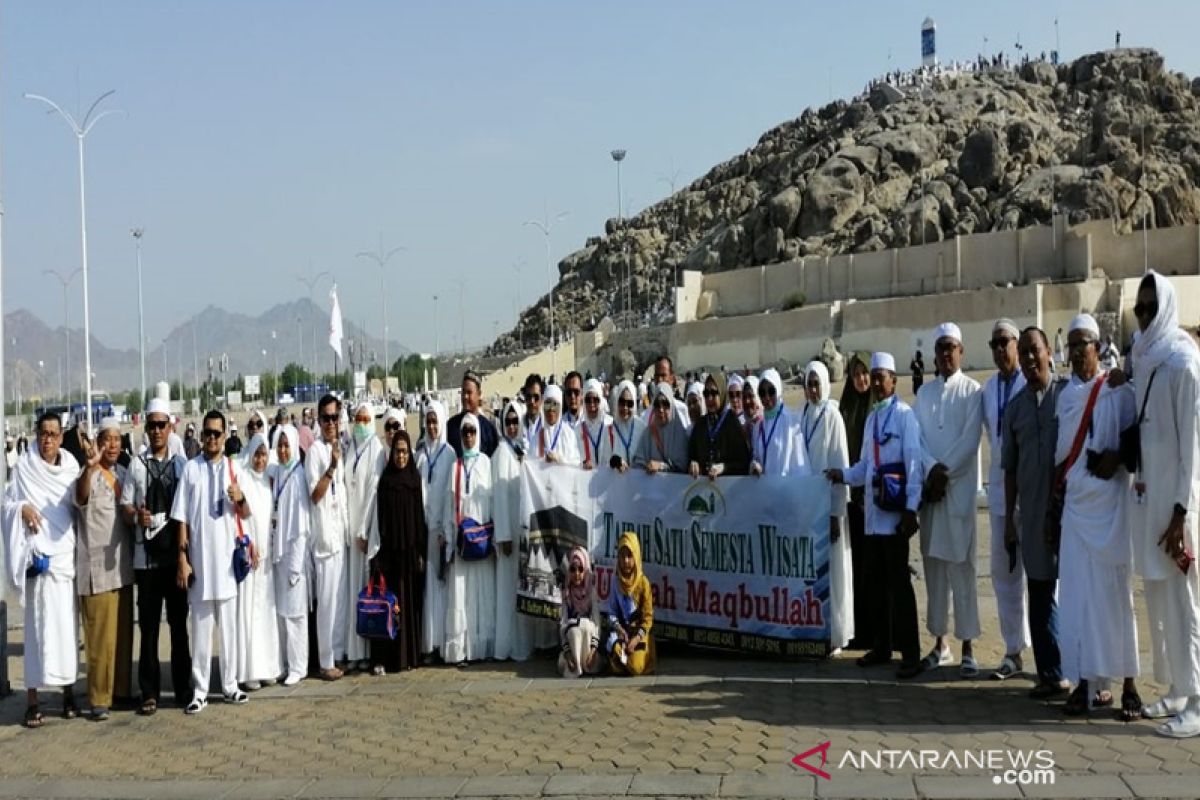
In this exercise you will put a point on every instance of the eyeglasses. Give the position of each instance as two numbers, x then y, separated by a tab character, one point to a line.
392	426
156	424
575	568
1081	344
664	404
571	392
591	399
533	398
329	419
211	433
1146	309
944	345
49	434
711	393
512	422
469	431
625	403
403	451
767	390
252	425
1000	343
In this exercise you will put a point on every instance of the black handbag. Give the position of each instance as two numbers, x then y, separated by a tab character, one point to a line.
1131	437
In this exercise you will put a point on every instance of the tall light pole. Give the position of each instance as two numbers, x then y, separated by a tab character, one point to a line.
81	131
381	259
462	339
66	282
618	156
137	238
275	351
311	285
516	268
546	226
436	341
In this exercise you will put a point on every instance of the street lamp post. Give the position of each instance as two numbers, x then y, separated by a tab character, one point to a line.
81	131
137	238
311	285
275	382
618	156
66	282
436	341
546	226
381	259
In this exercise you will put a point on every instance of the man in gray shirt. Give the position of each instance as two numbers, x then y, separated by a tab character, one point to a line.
1027	457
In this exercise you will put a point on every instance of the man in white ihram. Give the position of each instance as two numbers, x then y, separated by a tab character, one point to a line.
1165	503
950	414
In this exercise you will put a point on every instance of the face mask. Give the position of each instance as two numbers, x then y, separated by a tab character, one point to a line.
363	432
472	453
772	413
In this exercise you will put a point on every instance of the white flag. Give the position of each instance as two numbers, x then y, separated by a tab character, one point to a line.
335	322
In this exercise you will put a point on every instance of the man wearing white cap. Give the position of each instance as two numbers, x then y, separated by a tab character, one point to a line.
146	499
1008	576
1167	500
1097	634
950	414
891	469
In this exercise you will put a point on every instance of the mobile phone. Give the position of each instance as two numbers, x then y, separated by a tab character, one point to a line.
1184	562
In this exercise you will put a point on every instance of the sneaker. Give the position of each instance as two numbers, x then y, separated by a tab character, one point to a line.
99	713
197	705
1164	708
252	686
292	680
238	698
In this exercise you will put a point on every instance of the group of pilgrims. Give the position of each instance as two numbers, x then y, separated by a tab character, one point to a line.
1091	477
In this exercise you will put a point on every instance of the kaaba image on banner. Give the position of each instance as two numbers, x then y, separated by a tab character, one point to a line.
552	534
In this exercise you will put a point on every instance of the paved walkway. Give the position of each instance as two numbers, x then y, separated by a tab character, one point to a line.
708	725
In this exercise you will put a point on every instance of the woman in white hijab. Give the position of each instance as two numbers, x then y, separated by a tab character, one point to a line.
557	441
664	448
506	499
471	584
257	623
291	524
775	445
628	427
694	398
751	407
596	426
365	461
435	462
824	436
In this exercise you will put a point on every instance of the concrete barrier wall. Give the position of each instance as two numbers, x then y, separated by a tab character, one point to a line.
507	381
1169	250
735	342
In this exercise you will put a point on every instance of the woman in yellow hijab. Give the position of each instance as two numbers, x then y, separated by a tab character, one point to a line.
630	612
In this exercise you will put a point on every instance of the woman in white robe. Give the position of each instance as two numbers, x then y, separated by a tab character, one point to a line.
513	640
557	440
595	430
628	427
435	462
824	438
775	441
471	585
365	461
257	624
291	525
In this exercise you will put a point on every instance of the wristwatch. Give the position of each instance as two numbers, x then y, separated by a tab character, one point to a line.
1180	511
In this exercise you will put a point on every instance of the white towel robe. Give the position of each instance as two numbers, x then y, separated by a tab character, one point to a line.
619	446
1097	634
950	415
257	623
435	471
210	541
364	465
291	528
562	440
51	622
471	585
824	434
777	445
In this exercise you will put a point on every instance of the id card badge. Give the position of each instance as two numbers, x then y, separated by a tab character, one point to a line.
1139	488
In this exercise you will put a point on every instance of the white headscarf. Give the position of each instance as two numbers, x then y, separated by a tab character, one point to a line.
440	411
517	407
595	387
552	394
472	420
695	388
1164	339
293	439
256	441
394	414
822	377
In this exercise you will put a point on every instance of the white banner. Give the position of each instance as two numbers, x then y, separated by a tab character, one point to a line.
737	563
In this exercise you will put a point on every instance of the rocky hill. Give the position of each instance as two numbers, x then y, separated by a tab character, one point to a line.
1110	135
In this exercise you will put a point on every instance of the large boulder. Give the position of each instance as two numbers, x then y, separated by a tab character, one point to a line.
784	208
983	158
834	193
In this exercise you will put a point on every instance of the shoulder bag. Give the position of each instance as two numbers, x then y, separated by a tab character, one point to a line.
1058	491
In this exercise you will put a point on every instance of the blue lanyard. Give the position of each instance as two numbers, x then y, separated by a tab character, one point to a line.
283	483
878	441
433	461
557	430
809	433
534	430
215	505
467	472
627	442
765	438
596	441
713	430
358	454
1002	400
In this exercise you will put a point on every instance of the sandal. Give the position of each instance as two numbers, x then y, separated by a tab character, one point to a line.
377	670
1077	702
331	674
70	710
33	717
1131	706
149	706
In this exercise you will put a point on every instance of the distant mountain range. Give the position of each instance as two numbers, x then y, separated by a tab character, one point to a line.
188	348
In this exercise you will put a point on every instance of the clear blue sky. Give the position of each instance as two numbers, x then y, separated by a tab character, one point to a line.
265	137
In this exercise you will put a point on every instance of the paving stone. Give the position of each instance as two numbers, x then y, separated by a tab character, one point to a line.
741	784
587	785
75	788
422	787
267	789
686	784
867	786
1093	787
964	787
1166	786
19	787
349	787
503	786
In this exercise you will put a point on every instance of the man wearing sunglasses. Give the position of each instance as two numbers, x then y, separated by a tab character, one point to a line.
472	400
1008	574
664	372
950	415
207	505
146	500
572	389
326	475
531	422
